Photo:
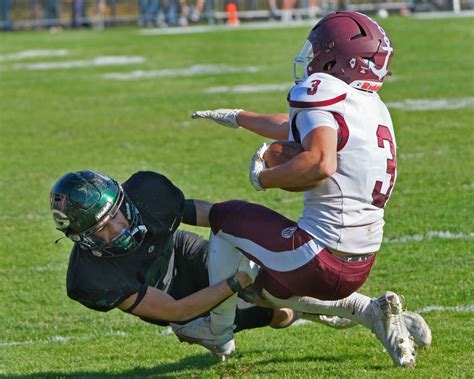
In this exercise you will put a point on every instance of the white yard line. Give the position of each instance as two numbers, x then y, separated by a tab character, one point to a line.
442	308
29	54
200	69
62	339
250	88
405	105
99	61
428	236
411	155
430	308
432	104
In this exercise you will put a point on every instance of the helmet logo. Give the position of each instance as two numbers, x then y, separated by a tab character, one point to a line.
61	220
382	72
288	232
352	63
103	211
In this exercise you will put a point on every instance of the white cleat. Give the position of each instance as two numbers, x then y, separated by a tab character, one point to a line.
199	332
418	328
416	325
390	328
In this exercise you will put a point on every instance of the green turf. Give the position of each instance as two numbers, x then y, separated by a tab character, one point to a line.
59	120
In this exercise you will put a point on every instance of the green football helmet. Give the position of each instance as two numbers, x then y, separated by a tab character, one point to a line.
83	202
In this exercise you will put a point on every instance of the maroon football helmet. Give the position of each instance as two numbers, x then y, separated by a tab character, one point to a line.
350	46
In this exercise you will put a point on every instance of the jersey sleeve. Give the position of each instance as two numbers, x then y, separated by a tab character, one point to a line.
314	103
96	282
311	119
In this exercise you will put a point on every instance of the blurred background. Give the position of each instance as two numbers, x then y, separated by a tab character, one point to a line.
56	15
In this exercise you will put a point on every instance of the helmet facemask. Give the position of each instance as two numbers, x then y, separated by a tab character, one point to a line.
301	62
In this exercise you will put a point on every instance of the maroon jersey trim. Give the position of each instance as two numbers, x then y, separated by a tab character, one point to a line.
314	104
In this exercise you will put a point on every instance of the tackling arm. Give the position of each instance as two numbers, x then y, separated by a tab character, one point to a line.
196	212
157	304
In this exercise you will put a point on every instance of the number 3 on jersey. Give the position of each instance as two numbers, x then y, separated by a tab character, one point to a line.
314	87
380	199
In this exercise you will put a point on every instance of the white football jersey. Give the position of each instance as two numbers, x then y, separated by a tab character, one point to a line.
346	212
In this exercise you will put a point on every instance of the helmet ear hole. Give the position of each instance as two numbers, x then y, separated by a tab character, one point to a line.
329	65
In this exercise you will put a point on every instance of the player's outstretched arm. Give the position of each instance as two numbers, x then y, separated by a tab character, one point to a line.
273	126
157	304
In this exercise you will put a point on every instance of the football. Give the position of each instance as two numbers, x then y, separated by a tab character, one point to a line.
280	152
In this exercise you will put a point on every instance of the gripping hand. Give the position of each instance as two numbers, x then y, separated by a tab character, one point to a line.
257	165
226	117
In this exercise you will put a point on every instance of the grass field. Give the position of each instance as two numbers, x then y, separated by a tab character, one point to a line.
56	120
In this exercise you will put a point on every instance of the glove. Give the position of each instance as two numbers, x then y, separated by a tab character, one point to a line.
226	117
257	165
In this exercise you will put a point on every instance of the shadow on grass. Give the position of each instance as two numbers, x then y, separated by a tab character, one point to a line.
201	361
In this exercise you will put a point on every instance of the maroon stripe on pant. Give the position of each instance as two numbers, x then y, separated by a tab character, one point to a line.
257	223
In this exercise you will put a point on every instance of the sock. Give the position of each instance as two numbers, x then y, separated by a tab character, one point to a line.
355	307
224	261
252	317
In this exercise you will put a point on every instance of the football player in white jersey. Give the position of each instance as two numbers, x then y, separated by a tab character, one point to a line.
317	264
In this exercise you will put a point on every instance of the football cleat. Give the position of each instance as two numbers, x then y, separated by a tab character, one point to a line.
199	332
418	329
390	328
416	325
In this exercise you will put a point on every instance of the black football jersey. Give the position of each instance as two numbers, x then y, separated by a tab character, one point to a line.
103	283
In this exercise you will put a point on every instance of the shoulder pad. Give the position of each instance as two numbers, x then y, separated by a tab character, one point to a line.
159	201
318	90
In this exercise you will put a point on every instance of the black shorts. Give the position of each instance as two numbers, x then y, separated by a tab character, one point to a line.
190	256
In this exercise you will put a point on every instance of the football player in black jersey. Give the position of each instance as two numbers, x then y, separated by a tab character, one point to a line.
128	253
